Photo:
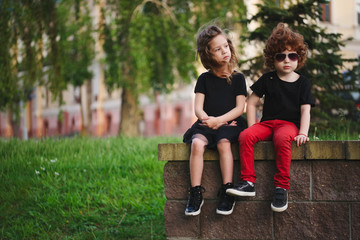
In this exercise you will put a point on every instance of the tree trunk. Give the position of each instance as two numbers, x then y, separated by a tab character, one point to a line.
129	114
86	109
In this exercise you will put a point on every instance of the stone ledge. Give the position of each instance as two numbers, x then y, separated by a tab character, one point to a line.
313	150
324	198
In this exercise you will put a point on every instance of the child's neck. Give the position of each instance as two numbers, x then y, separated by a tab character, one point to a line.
222	72
288	77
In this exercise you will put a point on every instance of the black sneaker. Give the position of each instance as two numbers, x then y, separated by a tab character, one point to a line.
195	201
243	189
280	202
227	202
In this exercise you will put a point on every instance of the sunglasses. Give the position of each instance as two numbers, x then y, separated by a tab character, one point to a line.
281	57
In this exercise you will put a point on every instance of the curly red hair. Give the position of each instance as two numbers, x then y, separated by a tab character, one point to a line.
281	39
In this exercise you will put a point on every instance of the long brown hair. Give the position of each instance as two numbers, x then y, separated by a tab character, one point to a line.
206	57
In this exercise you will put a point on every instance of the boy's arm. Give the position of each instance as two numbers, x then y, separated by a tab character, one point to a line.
302	136
251	109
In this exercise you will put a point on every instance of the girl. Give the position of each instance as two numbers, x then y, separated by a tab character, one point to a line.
219	102
286	113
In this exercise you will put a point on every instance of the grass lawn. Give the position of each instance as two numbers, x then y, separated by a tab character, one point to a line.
82	188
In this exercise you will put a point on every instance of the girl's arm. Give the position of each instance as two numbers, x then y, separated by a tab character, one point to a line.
302	136
199	106
251	109
216	122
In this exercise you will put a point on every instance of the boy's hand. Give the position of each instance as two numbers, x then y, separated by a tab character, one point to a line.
301	139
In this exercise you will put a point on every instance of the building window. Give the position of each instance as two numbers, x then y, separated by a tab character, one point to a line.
177	117
108	123
326	12
45	128
157	122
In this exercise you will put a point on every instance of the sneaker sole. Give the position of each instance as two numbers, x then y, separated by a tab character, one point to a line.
225	212
195	213
281	209
234	192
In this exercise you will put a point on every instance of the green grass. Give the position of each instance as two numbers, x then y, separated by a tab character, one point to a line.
82	188
86	188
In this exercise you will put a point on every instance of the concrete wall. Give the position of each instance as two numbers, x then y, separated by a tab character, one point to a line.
324	197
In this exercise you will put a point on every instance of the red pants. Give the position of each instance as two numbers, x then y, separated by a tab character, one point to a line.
282	133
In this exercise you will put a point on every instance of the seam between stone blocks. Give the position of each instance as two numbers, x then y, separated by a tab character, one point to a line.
350	221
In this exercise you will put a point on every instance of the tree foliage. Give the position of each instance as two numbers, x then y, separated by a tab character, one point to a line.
150	44
325	65
43	38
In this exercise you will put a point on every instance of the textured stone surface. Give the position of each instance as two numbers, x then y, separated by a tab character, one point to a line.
262	151
313	221
336	180
353	150
355	217
300	178
173	152
324	196
176	180
325	150
179	225
249	220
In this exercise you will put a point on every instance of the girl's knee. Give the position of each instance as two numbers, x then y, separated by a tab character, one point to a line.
223	145
198	145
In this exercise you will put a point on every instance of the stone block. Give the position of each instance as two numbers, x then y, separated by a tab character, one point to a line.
336	180
352	150
249	220
323	198
264	150
327	150
176	179
173	152
313	221
300	180
355	216
179	225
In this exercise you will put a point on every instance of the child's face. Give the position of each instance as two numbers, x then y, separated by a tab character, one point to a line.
219	48
288	64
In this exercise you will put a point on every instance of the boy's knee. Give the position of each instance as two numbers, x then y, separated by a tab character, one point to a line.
282	140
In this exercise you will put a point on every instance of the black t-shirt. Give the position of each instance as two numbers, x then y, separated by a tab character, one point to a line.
220	96
283	99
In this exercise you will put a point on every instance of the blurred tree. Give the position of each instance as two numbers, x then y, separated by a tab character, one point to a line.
150	45
35	34
325	65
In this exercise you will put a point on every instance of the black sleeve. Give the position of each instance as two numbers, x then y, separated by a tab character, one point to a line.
259	86
200	84
306	95
240	87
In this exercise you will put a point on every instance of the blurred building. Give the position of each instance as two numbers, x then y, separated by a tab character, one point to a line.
170	114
